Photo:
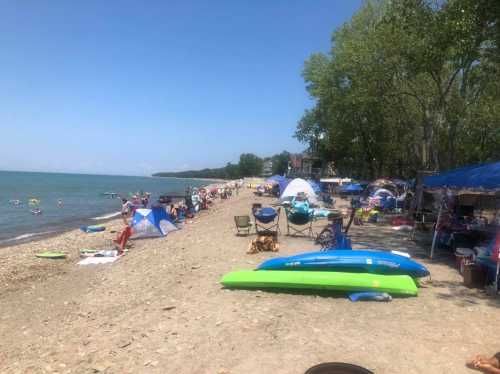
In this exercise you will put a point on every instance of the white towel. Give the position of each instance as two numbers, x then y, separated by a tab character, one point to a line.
97	260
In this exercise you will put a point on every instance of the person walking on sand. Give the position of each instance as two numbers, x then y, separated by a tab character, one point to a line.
486	365
126	209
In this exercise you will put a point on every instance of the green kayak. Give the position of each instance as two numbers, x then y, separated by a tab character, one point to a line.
322	280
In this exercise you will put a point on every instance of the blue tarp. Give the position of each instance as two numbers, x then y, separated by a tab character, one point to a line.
475	177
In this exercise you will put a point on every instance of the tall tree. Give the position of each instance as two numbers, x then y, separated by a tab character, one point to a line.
404	87
250	165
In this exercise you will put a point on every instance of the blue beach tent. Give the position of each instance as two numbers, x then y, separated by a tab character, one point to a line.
284	184
275	179
475	177
151	223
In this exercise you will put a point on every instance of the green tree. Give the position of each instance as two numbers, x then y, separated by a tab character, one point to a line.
250	165
408	84
280	163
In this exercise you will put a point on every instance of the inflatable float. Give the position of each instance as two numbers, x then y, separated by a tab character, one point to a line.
95	228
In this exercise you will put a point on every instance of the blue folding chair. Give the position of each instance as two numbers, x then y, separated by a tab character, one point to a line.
267	220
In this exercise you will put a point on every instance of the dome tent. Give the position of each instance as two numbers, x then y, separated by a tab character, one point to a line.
154	222
297	186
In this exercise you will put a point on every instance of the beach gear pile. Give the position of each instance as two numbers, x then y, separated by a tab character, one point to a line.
380	274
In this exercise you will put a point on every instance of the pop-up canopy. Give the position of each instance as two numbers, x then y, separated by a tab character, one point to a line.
475	177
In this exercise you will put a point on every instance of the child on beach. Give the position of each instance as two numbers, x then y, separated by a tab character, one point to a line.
126	209
486	365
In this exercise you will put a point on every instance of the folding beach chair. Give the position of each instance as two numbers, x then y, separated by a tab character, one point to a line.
267	221
243	224
300	223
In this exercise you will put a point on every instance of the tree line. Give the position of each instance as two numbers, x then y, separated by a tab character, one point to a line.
408	85
249	165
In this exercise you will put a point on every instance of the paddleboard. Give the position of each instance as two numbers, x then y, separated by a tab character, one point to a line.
52	255
377	262
401	285
95	228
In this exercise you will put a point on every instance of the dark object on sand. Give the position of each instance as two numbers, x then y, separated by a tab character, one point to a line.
474	276
337	368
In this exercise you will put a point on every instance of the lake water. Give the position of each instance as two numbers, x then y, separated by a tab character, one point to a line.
82	198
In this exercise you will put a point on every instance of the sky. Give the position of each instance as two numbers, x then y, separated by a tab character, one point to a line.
137	87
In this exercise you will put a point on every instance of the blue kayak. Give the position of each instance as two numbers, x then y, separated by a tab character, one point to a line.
377	262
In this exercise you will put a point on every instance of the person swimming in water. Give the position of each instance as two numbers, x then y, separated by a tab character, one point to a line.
60	203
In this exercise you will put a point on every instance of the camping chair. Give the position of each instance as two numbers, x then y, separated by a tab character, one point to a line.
243	224
267	220
295	218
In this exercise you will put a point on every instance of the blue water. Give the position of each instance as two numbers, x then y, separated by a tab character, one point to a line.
81	195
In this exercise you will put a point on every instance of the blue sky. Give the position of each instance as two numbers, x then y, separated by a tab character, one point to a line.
132	87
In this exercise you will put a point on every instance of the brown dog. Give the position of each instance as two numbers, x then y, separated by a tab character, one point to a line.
263	243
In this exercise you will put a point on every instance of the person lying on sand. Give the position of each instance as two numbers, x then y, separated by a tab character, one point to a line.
486	365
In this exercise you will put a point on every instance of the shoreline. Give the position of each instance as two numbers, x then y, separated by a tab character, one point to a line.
56	229
35	237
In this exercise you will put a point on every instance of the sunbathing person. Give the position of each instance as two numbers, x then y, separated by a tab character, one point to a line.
486	365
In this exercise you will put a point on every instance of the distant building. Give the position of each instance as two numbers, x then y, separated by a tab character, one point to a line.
304	165
267	168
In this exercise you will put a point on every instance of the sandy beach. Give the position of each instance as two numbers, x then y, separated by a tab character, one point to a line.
161	309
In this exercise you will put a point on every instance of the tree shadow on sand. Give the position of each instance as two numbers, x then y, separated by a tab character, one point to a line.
464	296
384	238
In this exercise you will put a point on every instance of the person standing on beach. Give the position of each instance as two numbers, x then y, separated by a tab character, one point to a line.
126	209
145	200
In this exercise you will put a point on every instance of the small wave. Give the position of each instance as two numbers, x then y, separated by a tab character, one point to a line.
25	236
107	216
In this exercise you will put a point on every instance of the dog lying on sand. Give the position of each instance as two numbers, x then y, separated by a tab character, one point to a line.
263	243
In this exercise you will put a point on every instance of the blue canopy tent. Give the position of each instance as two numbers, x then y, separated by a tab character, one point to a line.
481	177
475	177
353	188
275	179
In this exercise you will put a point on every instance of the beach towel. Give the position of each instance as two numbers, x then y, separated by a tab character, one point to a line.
97	260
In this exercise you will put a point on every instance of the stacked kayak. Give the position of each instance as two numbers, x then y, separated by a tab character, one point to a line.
377	262
402	285
336	270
